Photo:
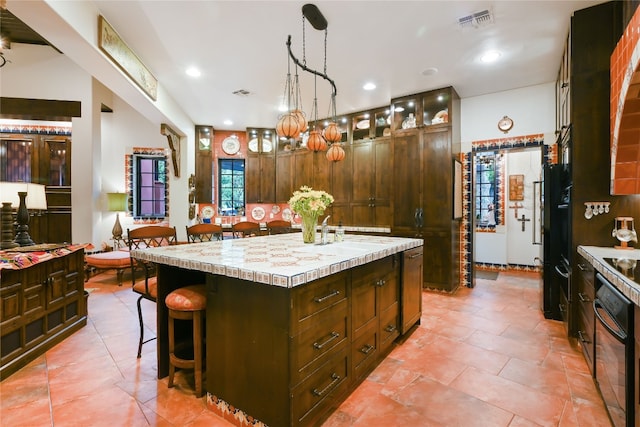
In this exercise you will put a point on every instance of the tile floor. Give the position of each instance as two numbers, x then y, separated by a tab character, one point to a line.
481	357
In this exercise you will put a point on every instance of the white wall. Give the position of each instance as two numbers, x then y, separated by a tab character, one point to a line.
533	112
99	140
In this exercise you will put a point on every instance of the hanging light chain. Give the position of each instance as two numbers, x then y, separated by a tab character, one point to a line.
304	43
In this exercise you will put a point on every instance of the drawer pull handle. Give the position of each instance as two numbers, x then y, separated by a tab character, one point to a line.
415	255
582	338
583	298
335	378
390	328
367	349
333	336
326	297
581	267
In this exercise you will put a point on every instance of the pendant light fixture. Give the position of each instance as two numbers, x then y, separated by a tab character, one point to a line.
294	122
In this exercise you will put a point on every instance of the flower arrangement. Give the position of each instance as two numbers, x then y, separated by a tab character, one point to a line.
308	201
309	204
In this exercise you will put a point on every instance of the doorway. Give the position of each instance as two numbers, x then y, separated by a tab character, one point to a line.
506	208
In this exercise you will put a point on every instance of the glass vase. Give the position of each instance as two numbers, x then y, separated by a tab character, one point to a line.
309	225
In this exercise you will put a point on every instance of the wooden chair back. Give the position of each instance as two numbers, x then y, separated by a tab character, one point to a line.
245	229
279	226
149	236
203	233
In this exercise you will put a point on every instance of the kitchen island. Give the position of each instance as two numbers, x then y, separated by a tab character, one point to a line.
292	328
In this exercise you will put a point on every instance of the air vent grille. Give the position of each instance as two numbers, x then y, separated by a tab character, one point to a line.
241	92
476	20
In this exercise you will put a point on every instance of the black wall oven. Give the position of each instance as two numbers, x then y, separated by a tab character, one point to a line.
614	352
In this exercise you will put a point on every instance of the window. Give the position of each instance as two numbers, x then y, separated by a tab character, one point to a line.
486	194
150	186
230	186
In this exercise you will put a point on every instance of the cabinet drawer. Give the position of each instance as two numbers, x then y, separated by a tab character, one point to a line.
587	273
389	290
313	298
389	326
319	392
327	334
364	351
585	337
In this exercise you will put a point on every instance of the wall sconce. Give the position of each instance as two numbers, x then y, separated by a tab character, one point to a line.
595	208
117	202
25	196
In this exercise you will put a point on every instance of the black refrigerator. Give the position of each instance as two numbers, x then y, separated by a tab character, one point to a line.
554	296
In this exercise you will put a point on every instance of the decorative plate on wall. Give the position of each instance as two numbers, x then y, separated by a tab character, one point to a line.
257	213
231	145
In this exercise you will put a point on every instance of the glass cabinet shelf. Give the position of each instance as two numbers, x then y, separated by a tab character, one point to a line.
261	140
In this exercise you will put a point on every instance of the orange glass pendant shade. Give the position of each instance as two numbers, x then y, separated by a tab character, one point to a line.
332	133
302	120
335	152
288	126
316	142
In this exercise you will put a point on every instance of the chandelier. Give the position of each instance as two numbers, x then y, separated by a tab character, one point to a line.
294	121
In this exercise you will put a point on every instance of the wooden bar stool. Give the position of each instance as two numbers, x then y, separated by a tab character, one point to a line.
188	303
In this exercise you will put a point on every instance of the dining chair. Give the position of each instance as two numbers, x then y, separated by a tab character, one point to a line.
203	233
245	229
279	226
142	238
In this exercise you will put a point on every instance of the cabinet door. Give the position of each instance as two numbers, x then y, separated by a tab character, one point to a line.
438	184
411	291
382	149
284	177
406	182
341	182
303	169
362	202
252	179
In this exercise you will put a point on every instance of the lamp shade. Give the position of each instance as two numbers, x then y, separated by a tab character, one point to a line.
36	194
117	202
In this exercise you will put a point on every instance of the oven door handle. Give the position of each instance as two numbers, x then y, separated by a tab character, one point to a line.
615	331
564	273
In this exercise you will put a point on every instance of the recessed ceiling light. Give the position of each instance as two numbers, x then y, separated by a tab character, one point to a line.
490	56
369	86
193	72
228	122
430	71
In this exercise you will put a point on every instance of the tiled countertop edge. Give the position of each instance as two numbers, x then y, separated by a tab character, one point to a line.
595	255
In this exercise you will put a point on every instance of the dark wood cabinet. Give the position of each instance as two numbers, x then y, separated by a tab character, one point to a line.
411	290
260	166
425	136
42	159
585	320
204	164
290	355
371	164
40	306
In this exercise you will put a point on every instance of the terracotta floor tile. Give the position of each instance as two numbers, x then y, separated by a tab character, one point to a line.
481	357
511	396
547	380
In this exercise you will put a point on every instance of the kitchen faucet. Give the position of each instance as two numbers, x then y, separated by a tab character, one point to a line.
324	231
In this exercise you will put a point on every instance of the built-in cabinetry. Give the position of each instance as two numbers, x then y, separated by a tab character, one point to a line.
204	164
42	159
425	135
260	166
40	305
289	356
583	88
585	319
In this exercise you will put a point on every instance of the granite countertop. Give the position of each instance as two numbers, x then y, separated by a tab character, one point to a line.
278	260
596	254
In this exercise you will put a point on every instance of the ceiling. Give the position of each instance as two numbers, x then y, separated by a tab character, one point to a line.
241	46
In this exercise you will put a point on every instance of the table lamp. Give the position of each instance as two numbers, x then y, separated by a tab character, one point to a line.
117	202
25	196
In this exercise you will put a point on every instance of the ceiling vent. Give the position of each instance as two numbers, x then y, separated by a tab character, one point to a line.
241	92
476	20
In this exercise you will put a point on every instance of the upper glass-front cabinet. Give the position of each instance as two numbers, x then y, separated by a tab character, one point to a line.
374	123
430	108
435	107
261	140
